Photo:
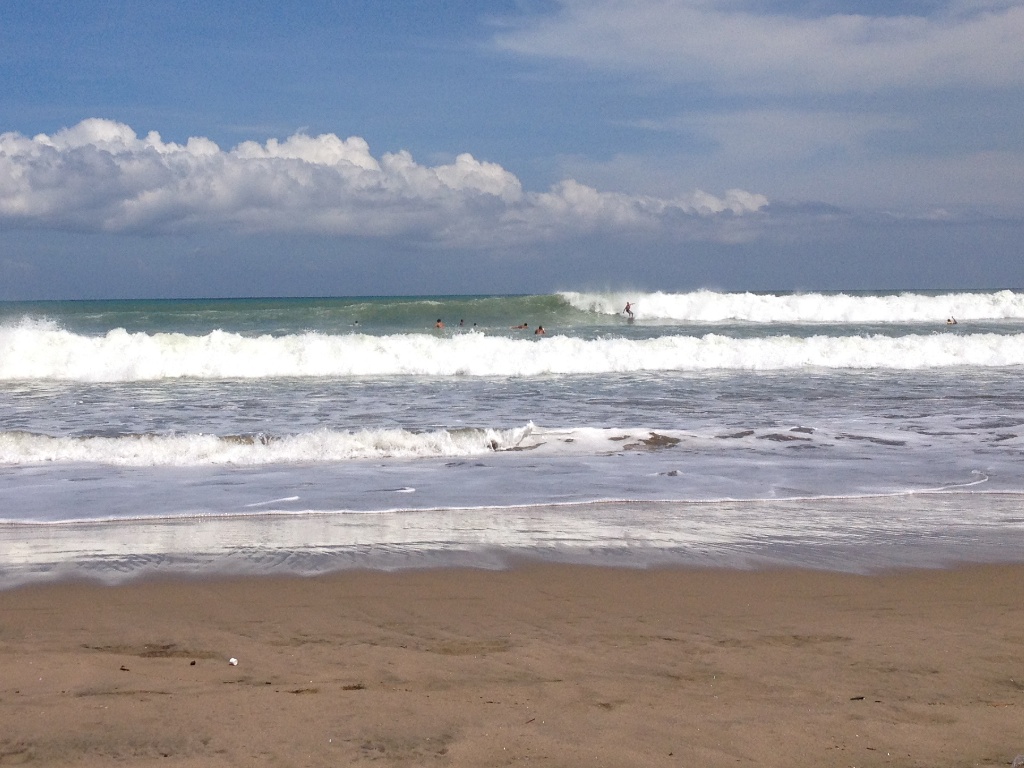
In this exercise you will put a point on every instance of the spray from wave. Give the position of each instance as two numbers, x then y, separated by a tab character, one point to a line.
810	308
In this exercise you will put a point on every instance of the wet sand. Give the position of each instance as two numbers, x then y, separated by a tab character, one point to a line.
539	665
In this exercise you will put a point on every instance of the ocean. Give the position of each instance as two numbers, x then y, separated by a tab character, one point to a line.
847	431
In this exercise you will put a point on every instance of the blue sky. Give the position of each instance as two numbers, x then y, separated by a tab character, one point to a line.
336	148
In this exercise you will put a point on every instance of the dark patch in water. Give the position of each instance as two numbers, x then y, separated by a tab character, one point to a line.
778	437
653	443
735	435
260	438
876	440
995	424
660	441
804	430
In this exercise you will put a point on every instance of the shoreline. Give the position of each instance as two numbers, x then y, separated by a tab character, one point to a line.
858	535
569	665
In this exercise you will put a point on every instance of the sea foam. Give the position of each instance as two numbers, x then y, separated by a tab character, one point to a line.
804	308
33	351
150	450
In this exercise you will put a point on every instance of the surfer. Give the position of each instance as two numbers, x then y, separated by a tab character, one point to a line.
951	321
522	327
540	331
628	311
439	323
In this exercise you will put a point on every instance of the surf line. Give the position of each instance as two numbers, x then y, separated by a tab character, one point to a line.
272	501
982	478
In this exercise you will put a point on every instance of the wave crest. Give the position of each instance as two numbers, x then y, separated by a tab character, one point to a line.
147	450
33	351
800	308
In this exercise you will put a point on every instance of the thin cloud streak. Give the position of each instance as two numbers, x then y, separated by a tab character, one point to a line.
737	47
100	176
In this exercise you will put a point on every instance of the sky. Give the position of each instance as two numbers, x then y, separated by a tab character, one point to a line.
335	148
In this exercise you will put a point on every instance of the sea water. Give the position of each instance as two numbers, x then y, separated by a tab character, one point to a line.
845	431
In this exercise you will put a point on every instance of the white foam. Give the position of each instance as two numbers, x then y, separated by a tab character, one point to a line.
24	448
715	307
320	446
39	351
195	449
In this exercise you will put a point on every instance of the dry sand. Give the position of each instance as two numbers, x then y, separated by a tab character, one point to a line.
540	665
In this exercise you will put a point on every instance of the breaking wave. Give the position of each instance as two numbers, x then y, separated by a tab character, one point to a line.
800	308
145	450
325	445
34	350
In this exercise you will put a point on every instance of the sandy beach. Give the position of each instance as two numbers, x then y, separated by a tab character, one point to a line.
538	665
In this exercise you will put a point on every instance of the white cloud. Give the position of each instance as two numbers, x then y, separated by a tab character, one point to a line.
100	176
735	45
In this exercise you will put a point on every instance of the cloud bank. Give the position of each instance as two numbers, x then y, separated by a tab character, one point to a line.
744	46
100	176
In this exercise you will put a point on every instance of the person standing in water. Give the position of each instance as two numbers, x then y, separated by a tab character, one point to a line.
628	311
